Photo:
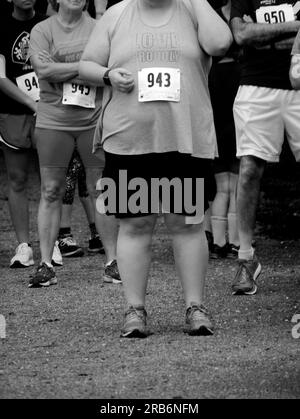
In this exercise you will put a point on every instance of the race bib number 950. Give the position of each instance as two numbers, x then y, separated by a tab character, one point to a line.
275	14
29	84
159	83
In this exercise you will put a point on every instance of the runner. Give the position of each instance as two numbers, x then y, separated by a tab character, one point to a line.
265	109
157	123
66	117
19	93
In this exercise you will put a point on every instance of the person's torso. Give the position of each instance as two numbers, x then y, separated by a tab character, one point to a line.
265	65
157	56
14	43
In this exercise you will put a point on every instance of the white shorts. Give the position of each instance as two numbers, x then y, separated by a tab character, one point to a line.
262	118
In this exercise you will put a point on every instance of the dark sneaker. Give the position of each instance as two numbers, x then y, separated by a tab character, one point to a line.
95	245
219	252
246	276
233	251
135	323
198	321
44	277
111	273
69	248
210	240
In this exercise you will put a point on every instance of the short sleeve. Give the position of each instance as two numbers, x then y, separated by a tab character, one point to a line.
296	46
2	67
39	39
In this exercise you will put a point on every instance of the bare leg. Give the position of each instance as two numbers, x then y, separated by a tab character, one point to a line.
17	164
191	256
134	256
220	209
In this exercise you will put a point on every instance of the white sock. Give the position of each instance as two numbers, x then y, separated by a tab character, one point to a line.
233	236
219	228
246	254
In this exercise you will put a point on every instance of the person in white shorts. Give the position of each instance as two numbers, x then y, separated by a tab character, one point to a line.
265	110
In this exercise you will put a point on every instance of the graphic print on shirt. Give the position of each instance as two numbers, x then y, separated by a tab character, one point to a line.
162	81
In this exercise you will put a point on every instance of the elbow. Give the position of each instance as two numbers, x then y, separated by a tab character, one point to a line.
222	47
295	83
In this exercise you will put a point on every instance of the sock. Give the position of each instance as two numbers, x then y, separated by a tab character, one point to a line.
93	229
219	227
246	254
64	232
233	236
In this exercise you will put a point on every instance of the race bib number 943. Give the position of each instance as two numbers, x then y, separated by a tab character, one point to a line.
159	83
275	14
29	84
79	95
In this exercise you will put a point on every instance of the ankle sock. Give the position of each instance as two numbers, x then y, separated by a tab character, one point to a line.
246	254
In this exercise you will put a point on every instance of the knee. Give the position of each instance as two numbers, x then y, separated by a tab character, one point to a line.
250	171
52	192
18	181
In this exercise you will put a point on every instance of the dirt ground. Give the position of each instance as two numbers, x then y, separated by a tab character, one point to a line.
63	342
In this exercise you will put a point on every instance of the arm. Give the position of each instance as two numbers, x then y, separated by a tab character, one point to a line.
213	33
259	34
295	71
11	90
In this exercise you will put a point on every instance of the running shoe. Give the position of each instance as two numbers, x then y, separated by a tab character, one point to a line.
56	256
44	277
111	273
219	252
135	323
246	276
198	321
95	245
69	247
233	251
23	257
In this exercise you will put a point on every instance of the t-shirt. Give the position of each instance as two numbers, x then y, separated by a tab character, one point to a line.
14	41
265	66
158	57
65	45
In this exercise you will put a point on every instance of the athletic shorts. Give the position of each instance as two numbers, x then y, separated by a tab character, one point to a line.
262	117
17	131
130	198
55	148
223	85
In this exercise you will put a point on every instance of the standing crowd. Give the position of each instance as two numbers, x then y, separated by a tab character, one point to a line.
168	90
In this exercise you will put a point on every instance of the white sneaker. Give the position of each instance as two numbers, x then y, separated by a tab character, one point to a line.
57	257
23	257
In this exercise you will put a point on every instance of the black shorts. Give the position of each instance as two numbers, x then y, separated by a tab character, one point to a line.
223	85
136	179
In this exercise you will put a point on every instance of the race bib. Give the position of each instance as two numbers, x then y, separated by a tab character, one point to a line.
275	14
29	84
159	83
79	95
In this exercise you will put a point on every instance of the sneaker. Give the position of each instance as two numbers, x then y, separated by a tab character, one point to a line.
246	276
23	257
198	321
233	251
95	245
135	323
56	256
111	273
219	252
44	277
69	247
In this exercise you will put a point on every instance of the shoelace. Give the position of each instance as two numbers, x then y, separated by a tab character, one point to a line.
68	241
132	312
22	248
197	311
242	271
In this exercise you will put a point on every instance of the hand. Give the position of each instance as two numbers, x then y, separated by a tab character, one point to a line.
121	79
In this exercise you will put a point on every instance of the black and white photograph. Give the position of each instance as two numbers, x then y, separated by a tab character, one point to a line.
149	203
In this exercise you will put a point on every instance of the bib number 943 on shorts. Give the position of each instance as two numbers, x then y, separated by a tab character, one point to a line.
159	84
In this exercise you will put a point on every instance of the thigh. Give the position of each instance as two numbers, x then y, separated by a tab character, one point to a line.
259	123
85	150
55	148
17	162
